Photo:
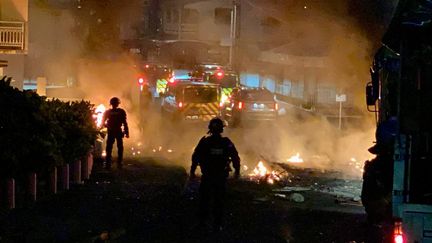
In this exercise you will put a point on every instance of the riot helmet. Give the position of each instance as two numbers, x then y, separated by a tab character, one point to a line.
114	101
216	126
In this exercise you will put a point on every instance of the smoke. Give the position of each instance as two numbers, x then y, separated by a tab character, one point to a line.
318	142
344	37
324	30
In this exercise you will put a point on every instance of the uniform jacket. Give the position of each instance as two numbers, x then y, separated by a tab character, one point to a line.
213	154
115	119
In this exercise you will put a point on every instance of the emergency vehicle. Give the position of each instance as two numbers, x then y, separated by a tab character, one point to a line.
218	74
228	80
191	101
176	75
401	90
155	75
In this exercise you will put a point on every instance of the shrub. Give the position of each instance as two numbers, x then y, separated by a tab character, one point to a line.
37	134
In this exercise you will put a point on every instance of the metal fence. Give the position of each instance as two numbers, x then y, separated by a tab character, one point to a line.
12	35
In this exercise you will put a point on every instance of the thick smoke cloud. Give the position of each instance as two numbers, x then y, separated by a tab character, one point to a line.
328	27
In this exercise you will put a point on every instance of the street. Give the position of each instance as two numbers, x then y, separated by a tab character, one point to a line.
319	110
148	202
311	197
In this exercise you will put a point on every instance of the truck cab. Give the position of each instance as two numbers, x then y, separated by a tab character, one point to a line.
401	90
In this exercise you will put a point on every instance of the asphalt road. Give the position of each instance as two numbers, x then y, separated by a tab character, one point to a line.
151	201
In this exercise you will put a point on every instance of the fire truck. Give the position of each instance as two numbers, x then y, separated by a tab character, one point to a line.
401	90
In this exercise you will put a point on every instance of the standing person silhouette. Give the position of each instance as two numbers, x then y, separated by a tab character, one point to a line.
114	119
213	154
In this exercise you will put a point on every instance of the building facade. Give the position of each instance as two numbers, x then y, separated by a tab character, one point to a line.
13	39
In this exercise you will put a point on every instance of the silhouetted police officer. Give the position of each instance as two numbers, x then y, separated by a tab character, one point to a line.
213	154
377	186
114	119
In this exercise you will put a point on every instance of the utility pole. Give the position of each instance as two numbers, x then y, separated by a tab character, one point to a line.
233	33
180	12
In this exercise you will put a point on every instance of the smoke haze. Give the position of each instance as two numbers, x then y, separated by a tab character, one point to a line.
329	29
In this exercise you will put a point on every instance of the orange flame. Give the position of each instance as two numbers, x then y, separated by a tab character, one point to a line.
260	173
100	110
295	159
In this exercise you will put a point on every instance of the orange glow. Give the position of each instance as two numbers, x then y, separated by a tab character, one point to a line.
398	239
295	159
180	104
99	114
398	233
262	173
140	80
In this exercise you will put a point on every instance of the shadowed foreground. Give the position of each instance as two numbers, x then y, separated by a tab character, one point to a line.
149	202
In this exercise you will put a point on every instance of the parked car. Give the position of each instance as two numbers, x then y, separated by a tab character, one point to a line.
250	104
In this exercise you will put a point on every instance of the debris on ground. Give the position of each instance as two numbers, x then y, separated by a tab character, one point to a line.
297	197
293	189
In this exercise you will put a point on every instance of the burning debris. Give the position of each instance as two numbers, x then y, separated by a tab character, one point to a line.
137	150
98	116
295	159
263	174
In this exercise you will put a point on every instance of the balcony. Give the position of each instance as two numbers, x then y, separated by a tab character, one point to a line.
187	31
12	35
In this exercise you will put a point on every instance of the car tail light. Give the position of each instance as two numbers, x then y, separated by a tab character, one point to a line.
240	105
276	106
397	232
219	75
180	104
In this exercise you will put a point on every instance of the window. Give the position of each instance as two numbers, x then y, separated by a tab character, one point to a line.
168	16
257	95
175	16
200	94
190	16
222	16
228	81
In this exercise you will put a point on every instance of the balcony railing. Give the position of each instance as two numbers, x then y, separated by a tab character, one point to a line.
185	29
12	35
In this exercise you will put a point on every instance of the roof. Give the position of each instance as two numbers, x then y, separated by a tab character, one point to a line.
303	47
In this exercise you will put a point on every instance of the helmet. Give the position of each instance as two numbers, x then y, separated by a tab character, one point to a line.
114	101
216	125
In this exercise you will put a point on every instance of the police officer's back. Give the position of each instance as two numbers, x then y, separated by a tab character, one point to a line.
213	154
116	122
